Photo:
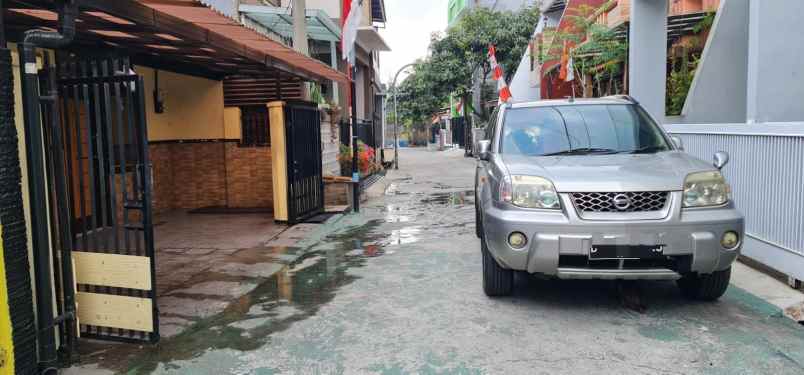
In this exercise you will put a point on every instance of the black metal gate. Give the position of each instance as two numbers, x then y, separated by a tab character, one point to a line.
303	142
105	149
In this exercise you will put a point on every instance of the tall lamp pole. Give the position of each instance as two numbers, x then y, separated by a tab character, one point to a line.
396	117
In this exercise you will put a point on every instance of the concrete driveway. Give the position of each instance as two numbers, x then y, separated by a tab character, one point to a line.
397	290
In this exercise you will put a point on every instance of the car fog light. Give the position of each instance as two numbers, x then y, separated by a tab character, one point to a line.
730	240
517	240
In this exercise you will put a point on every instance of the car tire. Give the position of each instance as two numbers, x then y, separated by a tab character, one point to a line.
705	287
497	281
478	222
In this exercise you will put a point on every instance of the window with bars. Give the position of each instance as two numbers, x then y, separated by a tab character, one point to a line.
255	129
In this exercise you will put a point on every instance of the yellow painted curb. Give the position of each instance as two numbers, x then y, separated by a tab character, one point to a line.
6	344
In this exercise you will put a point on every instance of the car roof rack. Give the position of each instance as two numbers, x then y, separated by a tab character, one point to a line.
622	97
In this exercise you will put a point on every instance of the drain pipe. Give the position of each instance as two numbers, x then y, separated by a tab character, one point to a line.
33	39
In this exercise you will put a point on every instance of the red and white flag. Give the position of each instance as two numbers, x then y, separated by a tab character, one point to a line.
350	21
497	71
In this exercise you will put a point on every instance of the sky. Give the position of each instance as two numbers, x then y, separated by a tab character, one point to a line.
408	28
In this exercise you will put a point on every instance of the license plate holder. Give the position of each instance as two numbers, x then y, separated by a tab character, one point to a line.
602	252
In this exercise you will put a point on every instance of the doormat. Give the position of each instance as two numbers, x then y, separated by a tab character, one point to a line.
320	218
222	210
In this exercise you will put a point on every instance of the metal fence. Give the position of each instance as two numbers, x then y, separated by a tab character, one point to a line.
370	133
766	173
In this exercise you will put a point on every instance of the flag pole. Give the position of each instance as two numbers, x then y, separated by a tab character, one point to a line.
355	149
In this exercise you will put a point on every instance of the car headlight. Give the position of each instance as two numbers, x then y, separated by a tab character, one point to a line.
529	192
705	189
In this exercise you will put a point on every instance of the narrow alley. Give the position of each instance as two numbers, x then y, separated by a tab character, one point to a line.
397	290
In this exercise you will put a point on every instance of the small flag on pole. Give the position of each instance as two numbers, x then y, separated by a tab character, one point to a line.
502	87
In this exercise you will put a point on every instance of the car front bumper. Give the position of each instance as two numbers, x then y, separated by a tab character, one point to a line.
558	239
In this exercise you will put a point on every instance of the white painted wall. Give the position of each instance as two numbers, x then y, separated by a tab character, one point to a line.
718	92
647	49
776	61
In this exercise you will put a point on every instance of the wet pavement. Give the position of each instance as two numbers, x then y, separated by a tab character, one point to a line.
397	290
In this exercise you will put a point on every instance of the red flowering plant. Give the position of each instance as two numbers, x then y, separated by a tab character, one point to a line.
365	159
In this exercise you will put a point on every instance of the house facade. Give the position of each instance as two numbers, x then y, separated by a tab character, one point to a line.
137	109
537	75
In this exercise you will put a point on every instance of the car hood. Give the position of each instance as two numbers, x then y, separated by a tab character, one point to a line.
663	171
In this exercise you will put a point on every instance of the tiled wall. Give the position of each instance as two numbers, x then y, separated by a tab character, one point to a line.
248	176
203	174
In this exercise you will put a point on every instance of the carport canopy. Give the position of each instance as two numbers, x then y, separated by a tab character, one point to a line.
184	35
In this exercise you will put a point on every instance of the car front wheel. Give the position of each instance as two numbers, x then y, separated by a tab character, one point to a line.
705	287
497	281
478	223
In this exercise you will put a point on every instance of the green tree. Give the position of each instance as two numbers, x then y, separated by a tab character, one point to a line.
456	55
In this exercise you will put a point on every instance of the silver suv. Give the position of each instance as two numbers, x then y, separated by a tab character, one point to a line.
595	189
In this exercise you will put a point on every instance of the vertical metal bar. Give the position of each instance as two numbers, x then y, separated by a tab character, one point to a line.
107	130
102	203
93	217
103	206
133	94
146	206
89	105
121	149
128	87
319	161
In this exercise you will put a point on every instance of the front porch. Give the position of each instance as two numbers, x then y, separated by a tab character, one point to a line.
204	262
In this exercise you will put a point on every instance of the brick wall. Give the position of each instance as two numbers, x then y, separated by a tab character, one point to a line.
248	176
204	174
188	175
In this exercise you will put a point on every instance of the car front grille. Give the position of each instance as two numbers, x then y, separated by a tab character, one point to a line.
632	201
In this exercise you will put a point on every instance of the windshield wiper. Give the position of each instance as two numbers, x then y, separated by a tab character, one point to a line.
583	151
647	150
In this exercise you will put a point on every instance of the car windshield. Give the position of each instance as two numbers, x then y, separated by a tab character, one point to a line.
580	129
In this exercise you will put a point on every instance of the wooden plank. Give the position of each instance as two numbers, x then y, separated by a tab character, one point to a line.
106	310
122	271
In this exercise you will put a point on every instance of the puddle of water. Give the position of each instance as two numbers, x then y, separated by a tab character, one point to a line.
457	198
393	189
307	278
403	236
294	293
393	214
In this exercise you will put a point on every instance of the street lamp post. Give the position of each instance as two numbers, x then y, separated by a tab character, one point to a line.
396	117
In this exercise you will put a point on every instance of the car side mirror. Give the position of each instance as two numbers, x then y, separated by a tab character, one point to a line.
678	142
483	149
721	159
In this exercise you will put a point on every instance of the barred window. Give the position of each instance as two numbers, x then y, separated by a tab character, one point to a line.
255	129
